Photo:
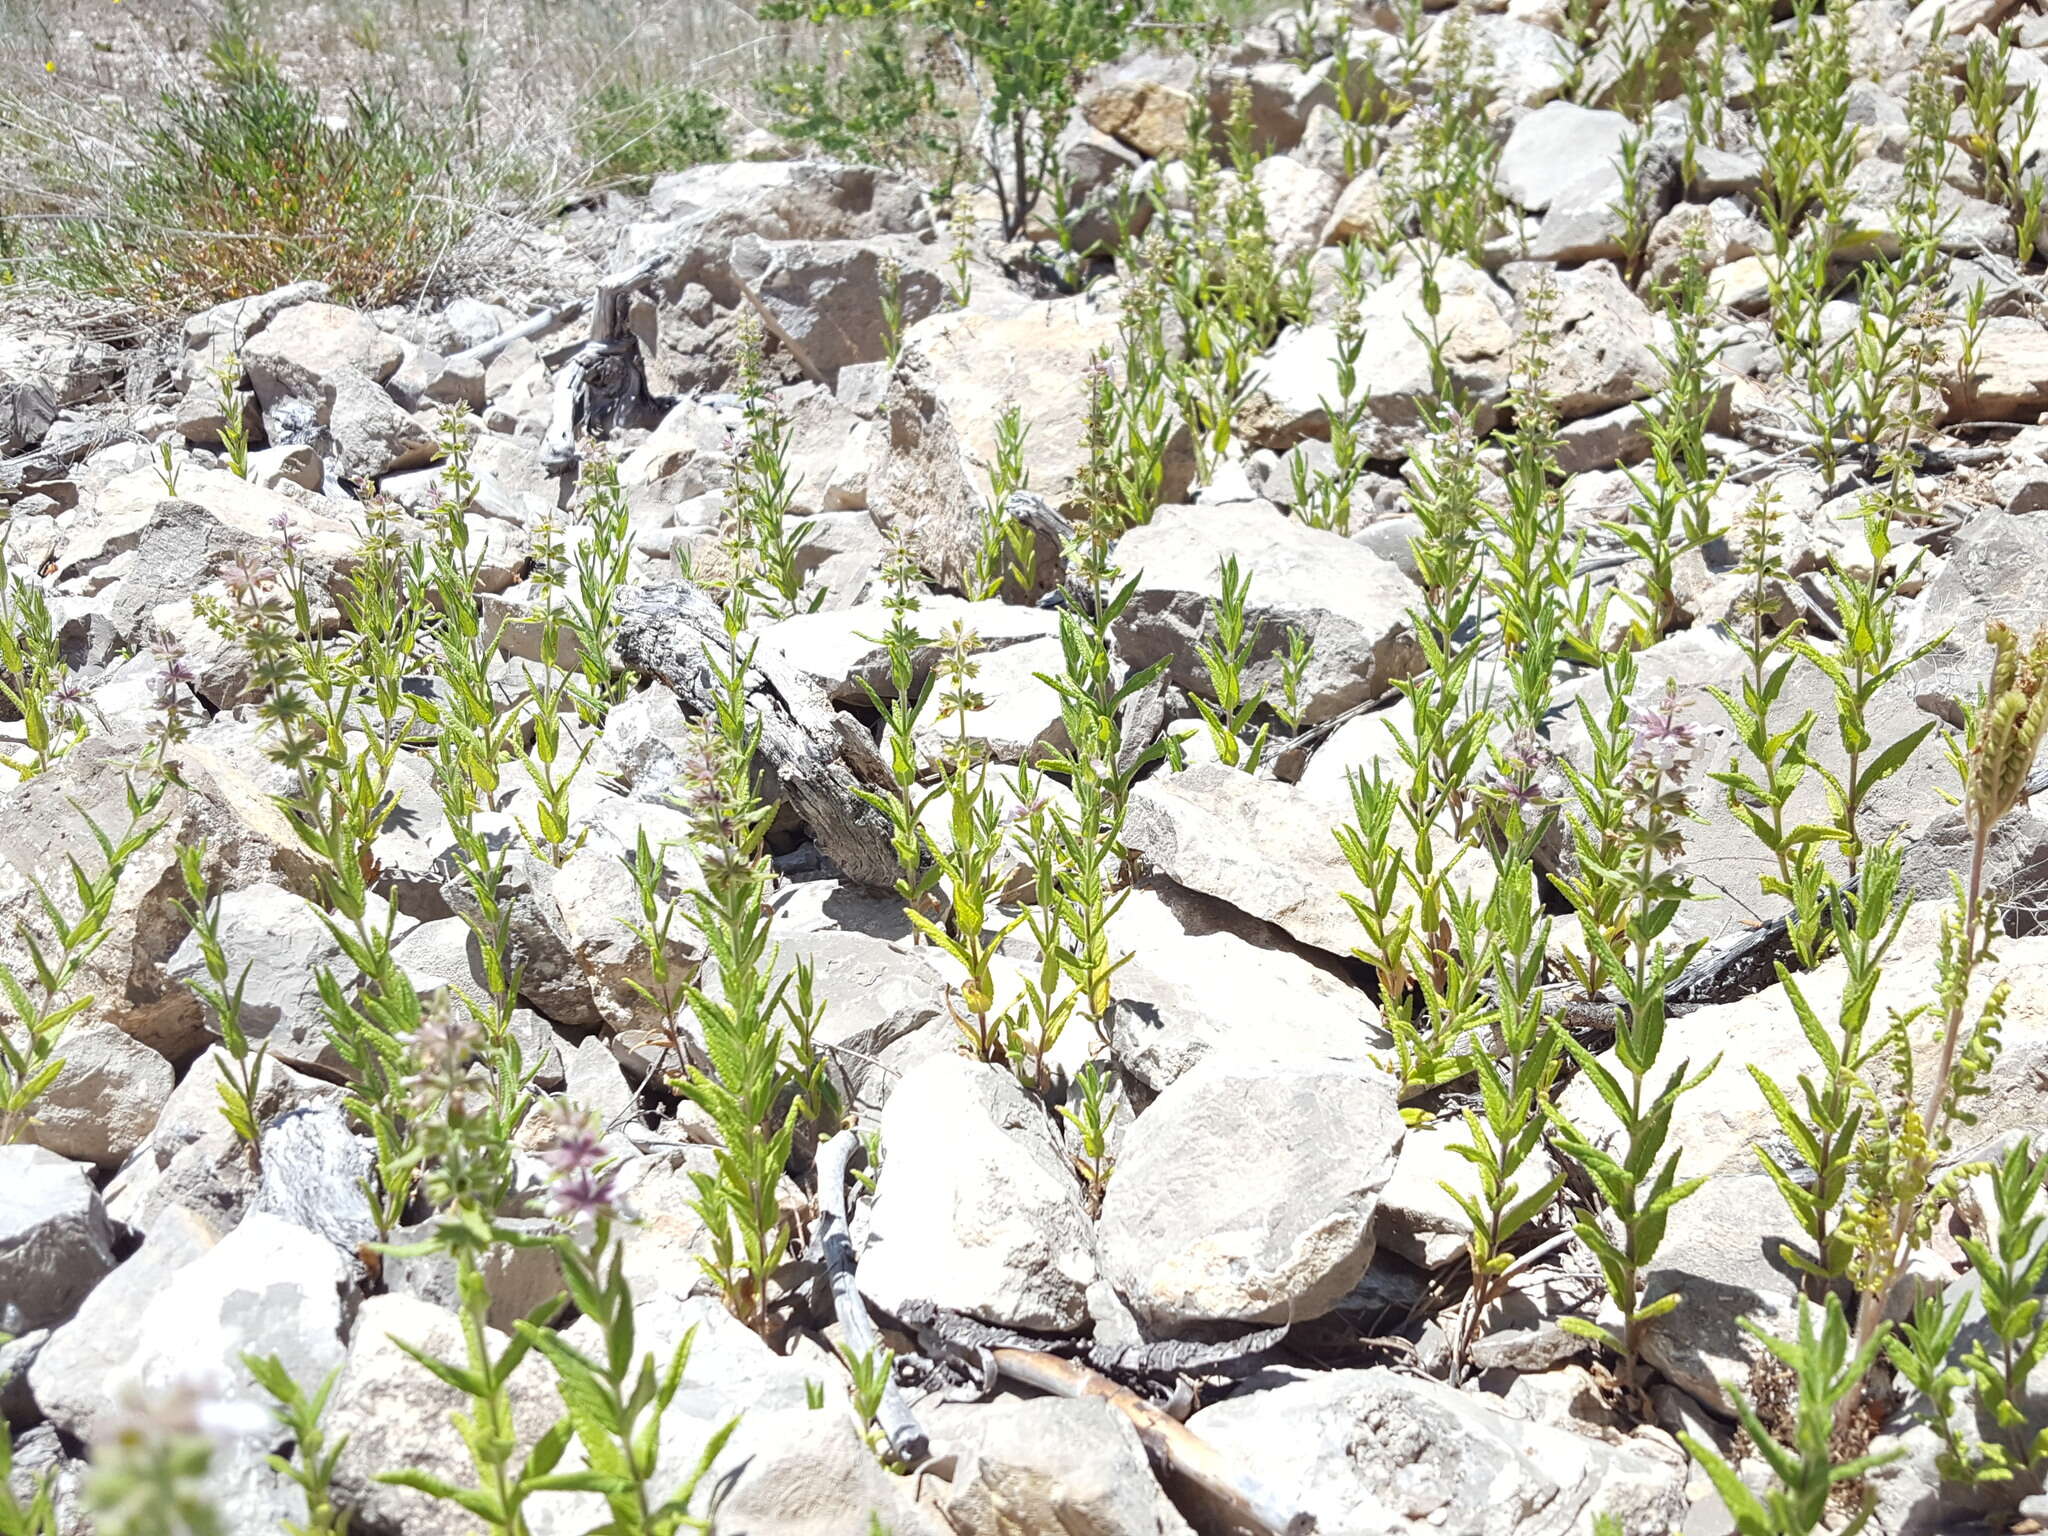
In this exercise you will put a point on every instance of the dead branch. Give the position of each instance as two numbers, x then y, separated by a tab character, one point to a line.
1171	1444
907	1441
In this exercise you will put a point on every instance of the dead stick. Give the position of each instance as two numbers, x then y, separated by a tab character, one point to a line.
835	1245
1171	1443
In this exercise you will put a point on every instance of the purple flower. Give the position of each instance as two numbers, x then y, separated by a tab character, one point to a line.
444	1040
583	1196
1663	741
579	1144
242	576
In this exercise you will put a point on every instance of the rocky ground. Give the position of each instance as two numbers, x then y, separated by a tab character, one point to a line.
1270	1248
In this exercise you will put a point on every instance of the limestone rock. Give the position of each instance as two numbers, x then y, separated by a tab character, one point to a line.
306	351
1378	1451
1073	1465
1352	604
55	1241
1143	102
1205	980
1246	1192
1418	1219
958	374
838	651
215	803
1299	373
1554	146
1721	1256
808	1473
104	1099
1263	847
186	1320
975	1210
824	299
2010	379
1600	349
396	1415
1298	200
276	947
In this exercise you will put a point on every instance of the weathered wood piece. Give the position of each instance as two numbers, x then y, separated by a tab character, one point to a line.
893	1417
603	387
669	632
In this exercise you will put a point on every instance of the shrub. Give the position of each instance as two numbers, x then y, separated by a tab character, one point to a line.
242	184
1026	56
872	101
630	133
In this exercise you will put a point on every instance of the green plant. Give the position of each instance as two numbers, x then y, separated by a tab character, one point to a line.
631	133
1008	553
551	691
314	1456
614	1398
1808	1472
1902	1146
240	1067
1636	1183
1440	184
890	272
1758	797
597	572
960	224
242	183
1025	58
761	542
2010	1264
869	1371
1671	512
149	1474
1033	1025
666	988
1403	841
1634	206
166	467
1225	659
233	403
34	681
2002	122
1325	500
741	1020
1091	1117
504	1479
904	804
968	858
1824	1124
871	101
37	1007
1867	656
1515	1070
32	1514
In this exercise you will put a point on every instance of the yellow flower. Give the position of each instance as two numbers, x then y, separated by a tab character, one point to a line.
49	66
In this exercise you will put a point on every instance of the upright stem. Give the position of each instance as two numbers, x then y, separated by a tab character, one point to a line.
1875	1304
1951	1035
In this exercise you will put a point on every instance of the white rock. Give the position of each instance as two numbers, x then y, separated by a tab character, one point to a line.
1204	980
1246	1192
1554	146
55	1241
276	947
1263	847
975	1210
1352	605
1377	1451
